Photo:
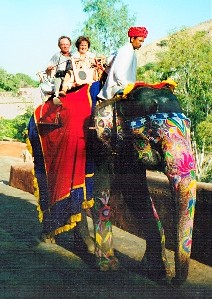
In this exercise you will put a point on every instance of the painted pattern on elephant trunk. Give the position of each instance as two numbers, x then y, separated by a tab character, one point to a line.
172	133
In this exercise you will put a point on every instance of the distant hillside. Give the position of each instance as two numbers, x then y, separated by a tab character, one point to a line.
147	53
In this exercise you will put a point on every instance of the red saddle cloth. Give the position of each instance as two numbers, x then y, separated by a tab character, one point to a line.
63	133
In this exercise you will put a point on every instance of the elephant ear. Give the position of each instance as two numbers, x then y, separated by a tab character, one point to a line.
140	102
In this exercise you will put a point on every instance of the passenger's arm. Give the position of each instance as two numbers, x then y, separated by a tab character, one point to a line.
122	66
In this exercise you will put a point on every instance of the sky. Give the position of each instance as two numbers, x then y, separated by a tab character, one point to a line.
30	28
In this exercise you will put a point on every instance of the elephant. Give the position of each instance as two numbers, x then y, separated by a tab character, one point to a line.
147	130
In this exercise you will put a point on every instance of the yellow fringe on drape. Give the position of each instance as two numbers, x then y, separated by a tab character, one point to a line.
40	213
73	222
35	182
87	204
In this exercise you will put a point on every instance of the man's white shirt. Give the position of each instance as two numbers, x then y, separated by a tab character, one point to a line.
122	72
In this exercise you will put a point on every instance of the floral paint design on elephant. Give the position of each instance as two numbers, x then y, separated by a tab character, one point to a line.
104	239
104	123
166	138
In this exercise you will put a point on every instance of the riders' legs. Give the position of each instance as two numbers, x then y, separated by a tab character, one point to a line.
57	84
67	82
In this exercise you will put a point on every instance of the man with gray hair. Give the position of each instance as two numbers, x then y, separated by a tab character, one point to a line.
58	66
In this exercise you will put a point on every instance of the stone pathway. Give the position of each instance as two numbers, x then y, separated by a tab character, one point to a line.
30	269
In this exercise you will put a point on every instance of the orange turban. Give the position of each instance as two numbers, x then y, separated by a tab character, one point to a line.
137	31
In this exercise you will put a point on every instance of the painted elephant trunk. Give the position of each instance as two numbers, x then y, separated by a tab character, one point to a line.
172	135
185	207
180	170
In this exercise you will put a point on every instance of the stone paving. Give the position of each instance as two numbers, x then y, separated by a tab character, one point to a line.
30	269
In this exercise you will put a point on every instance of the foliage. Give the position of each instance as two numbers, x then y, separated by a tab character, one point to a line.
12	83
207	176
204	155
162	43
7	129
26	81
148	73
107	24
187	61
203	163
15	128
203	134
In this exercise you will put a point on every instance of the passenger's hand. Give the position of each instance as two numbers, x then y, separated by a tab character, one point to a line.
75	84
49	69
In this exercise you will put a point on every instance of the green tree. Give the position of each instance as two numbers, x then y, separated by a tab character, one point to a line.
107	24
187	60
7	129
12	83
8	82
16	128
149	73
203	134
204	154
25	80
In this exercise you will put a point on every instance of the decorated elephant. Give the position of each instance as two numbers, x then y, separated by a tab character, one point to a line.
146	129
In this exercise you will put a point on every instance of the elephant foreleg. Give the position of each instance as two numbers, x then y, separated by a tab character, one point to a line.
106	259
